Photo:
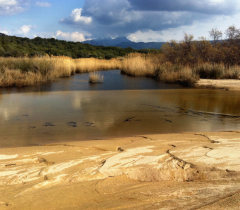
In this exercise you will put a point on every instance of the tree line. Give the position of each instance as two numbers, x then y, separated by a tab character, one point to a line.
12	46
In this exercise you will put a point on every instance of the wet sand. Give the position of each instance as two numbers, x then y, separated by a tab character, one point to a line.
228	84
53	117
165	171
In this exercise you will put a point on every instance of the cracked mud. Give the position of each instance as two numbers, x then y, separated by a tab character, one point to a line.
167	171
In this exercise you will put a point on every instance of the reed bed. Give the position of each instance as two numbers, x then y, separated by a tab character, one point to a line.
25	71
139	65
156	67
30	71
93	64
95	78
177	74
217	71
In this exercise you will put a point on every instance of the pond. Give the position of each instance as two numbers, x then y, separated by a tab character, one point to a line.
71	109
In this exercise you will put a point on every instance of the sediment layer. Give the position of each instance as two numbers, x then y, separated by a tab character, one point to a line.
167	171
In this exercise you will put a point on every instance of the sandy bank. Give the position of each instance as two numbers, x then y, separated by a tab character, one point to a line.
228	84
167	171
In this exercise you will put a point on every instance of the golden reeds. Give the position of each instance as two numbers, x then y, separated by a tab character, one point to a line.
154	66
217	71
138	65
93	64
29	71
95	78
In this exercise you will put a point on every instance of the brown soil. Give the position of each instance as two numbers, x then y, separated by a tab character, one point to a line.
167	171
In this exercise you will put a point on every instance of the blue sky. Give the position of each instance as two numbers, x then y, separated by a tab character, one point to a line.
139	20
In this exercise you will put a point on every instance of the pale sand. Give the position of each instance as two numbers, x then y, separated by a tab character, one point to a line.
165	171
228	84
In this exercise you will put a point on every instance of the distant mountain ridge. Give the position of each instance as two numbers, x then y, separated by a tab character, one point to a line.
124	42
107	41
2	34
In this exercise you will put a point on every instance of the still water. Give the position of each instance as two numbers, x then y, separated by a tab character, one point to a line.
71	109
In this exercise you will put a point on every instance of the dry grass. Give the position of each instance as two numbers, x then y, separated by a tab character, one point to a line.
30	71
217	71
17	78
137	64
177	74
155	66
93	64
95	78
25	71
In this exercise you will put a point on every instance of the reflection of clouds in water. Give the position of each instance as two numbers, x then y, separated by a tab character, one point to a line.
76	101
104	122
77	98
9	108
96	109
6	114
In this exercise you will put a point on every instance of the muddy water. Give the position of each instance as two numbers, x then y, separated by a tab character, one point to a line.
73	110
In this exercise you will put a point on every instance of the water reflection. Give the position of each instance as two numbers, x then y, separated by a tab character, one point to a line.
113	80
45	117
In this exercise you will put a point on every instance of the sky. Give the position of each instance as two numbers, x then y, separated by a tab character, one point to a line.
138	20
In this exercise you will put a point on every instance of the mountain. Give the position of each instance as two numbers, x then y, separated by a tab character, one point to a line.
141	45
124	43
1	34
107	41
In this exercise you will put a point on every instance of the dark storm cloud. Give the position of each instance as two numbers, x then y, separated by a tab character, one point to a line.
122	17
211	7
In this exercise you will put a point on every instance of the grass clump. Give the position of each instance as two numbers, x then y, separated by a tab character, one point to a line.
217	71
177	74
154	66
95	78
138	65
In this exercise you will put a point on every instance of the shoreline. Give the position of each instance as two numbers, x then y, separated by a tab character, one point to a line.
177	170
225	84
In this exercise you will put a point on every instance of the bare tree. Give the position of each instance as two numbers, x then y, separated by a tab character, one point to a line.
188	38
232	33
215	34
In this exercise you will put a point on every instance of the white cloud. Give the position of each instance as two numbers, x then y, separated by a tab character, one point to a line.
24	30
146	36
8	2
76	17
43	4
12	7
75	36
5	32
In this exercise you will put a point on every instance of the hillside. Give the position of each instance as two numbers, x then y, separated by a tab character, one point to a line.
123	42
1	34
12	46
108	41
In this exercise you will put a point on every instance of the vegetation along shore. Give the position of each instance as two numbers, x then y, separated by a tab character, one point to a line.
182	62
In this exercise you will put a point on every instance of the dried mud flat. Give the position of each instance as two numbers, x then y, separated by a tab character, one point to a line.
166	171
